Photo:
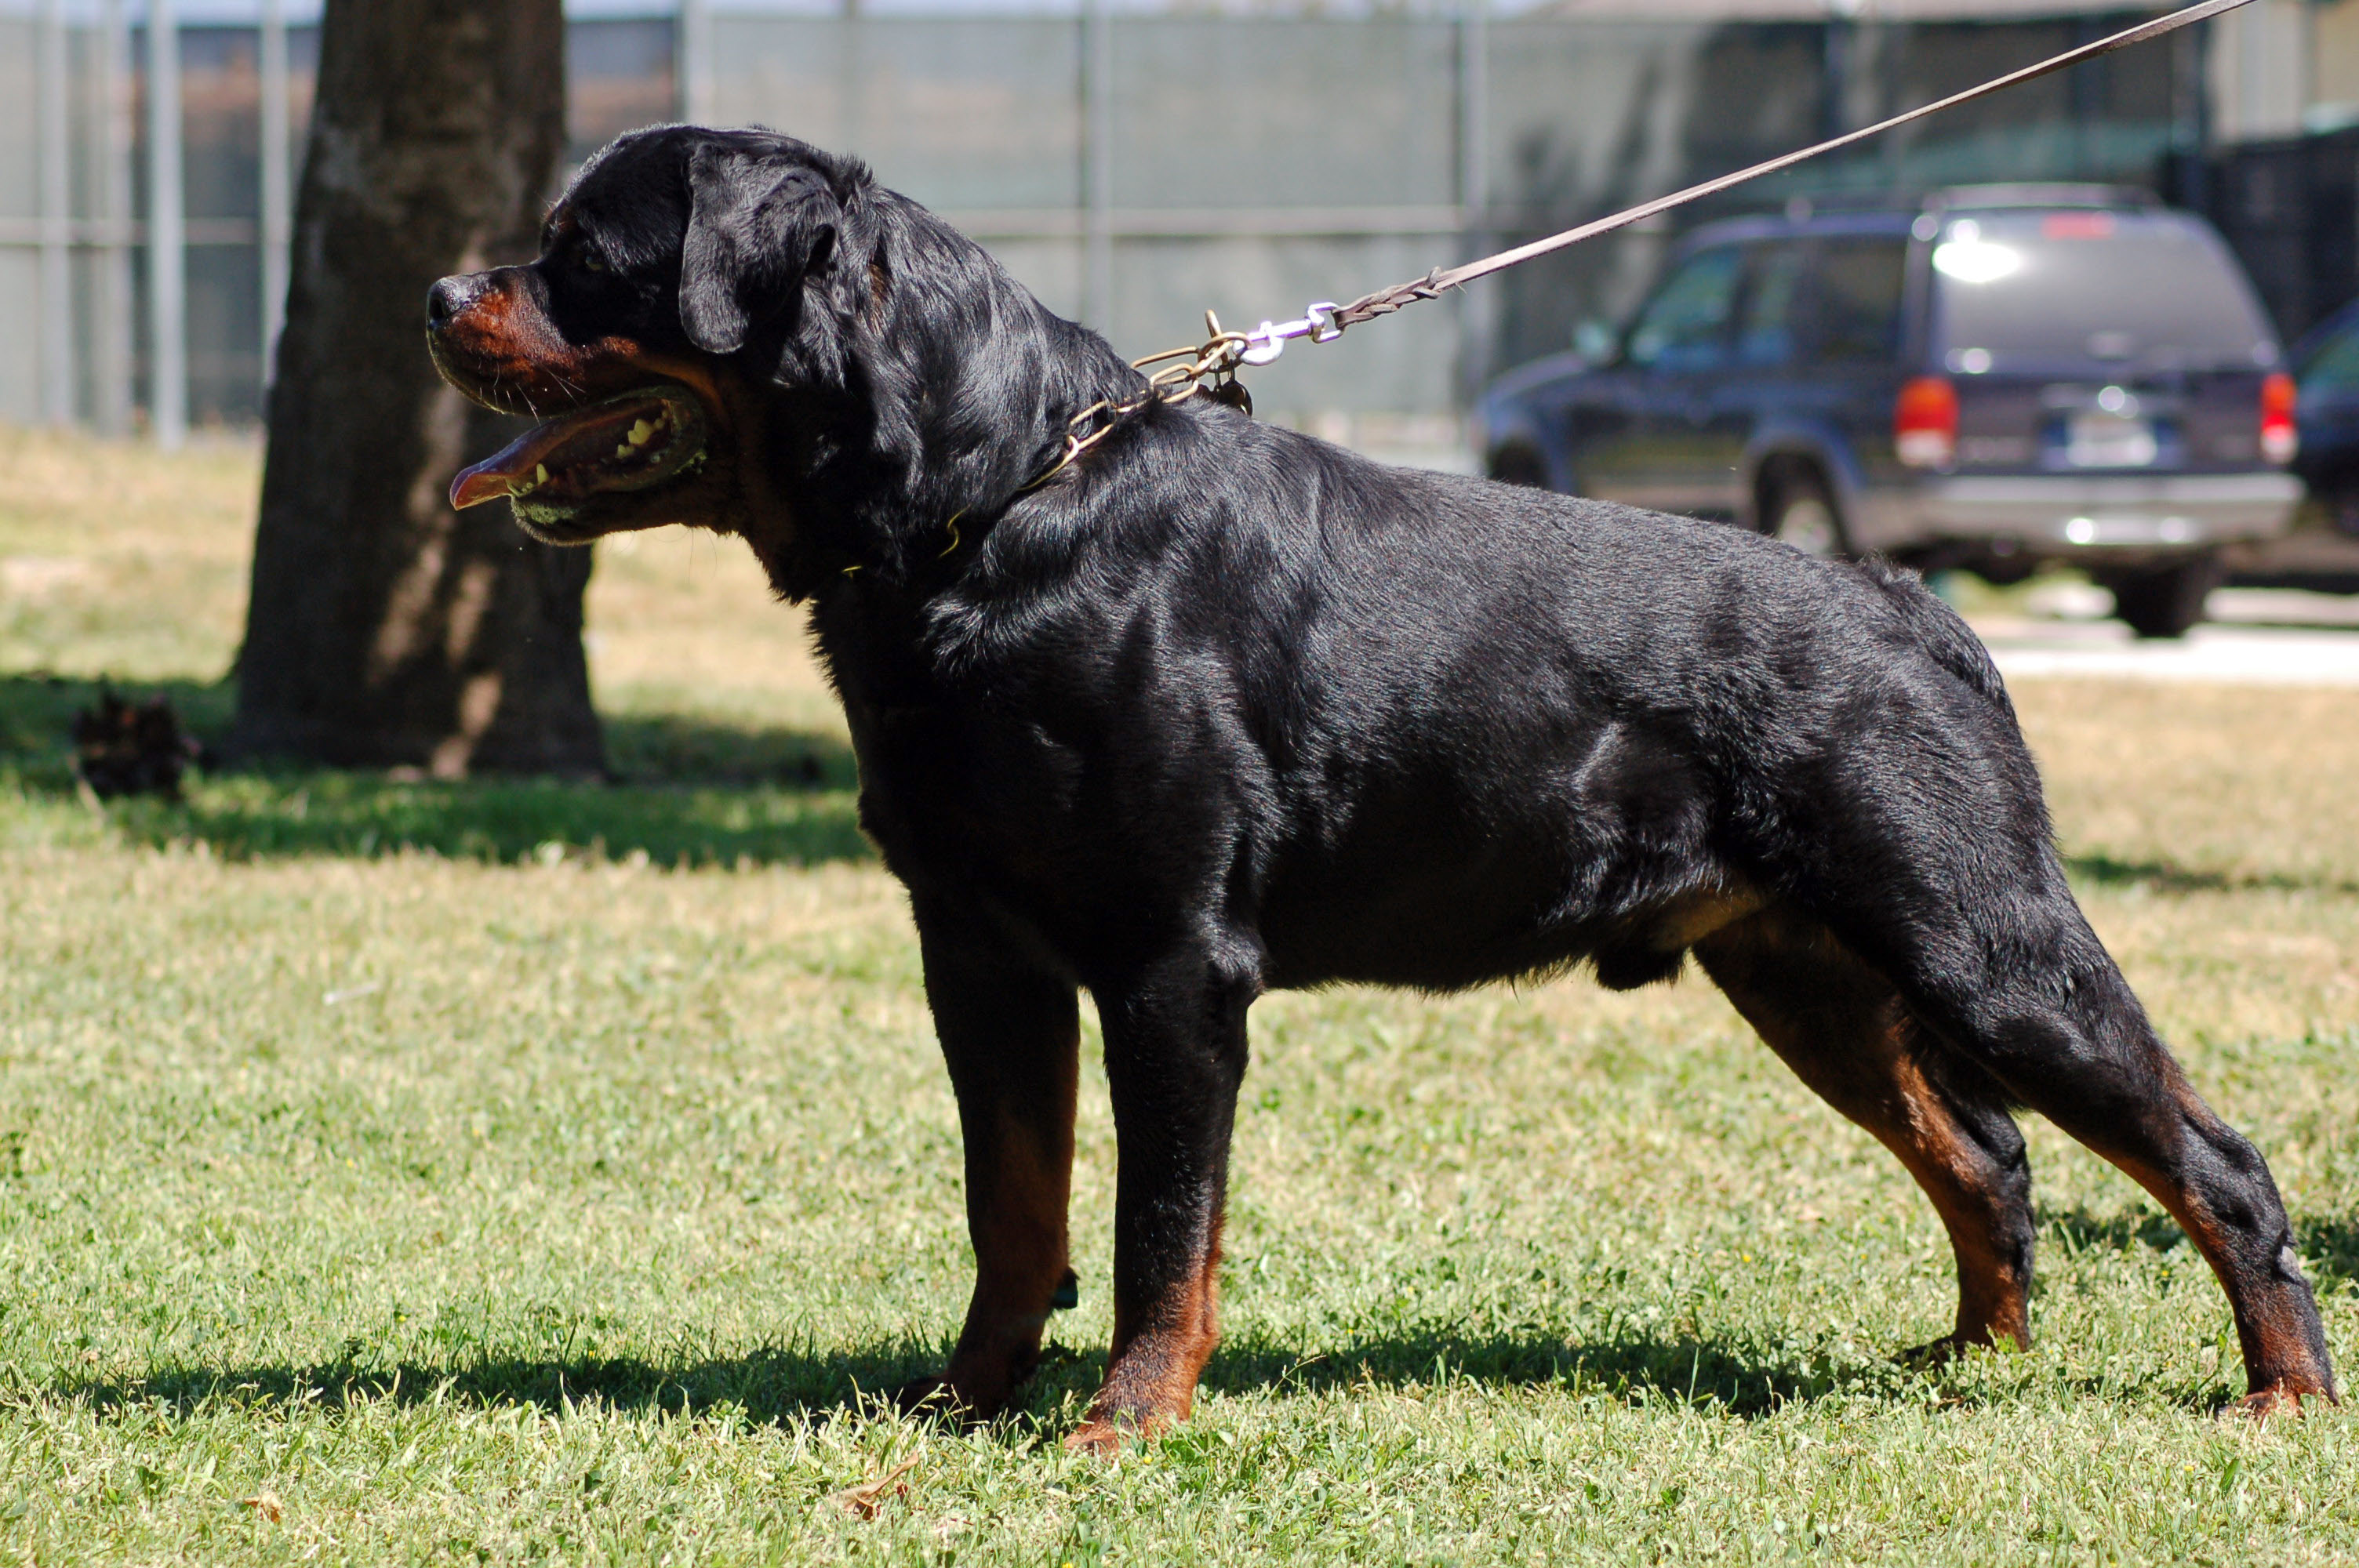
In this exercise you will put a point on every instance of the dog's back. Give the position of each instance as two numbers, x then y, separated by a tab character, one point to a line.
1449	730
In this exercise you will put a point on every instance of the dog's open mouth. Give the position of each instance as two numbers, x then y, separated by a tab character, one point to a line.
632	441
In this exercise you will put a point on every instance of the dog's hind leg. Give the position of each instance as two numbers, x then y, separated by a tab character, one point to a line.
1175	1038
1011	1036
1950	887
2021	987
1846	1033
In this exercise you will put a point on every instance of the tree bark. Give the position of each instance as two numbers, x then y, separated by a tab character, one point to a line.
383	628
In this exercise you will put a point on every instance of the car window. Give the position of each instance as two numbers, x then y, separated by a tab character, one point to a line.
1765	332
2153	290
1685	325
1858	283
2333	365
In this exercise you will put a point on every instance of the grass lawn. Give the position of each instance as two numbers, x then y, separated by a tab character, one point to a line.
516	1172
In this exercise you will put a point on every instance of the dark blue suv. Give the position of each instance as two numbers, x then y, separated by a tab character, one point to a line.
1989	378
2321	552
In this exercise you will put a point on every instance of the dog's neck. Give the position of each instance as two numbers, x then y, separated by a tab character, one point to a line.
907	376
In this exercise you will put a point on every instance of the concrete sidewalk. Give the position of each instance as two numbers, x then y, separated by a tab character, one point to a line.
2255	637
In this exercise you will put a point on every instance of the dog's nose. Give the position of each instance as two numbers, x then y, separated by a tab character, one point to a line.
449	297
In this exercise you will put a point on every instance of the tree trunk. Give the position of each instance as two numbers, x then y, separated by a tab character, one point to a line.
385	629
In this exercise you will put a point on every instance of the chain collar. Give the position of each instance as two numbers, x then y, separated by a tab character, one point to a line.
1210	368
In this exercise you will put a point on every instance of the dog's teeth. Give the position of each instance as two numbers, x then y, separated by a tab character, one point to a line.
624	450
641	433
540	473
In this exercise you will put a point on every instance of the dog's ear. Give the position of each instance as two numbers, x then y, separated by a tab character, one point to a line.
758	224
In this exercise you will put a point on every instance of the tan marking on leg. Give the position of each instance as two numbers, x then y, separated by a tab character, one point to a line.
1993	1300
1021	1184
2272	1338
1844	1032
1021	1256
1151	1383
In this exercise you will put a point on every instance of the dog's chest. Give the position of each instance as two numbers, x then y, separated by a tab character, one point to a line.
952	795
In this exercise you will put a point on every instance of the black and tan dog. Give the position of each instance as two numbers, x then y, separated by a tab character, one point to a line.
1219	709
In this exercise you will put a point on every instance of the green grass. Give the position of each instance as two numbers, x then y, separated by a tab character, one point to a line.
407	1173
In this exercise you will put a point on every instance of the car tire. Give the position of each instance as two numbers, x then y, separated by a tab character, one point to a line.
1801	512
2341	504
2166	602
1516	463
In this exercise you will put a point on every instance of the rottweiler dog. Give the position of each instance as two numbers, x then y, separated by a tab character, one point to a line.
1214	708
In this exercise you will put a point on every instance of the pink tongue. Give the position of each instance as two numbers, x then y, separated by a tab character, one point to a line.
503	470
578	440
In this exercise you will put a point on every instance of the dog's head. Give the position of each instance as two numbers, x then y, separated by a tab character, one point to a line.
674	282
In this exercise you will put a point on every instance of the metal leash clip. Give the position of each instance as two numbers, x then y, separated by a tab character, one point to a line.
1209	369
1268	341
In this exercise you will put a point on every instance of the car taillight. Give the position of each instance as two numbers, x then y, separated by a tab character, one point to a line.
2278	437
1925	422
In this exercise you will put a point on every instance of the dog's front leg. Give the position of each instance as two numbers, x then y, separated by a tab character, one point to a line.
1175	1039
1011	1036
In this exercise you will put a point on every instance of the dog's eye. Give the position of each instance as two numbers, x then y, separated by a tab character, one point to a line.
592	258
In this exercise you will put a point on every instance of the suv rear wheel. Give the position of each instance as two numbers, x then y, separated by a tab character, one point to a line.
1801	512
2165	601
1516	463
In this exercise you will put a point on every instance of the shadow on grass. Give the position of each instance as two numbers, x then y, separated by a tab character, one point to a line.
768	1385
2329	1244
2164	876
776	1385
2077	1229
1632	1367
685	791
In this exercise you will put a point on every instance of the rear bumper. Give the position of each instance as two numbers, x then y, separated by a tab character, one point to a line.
2088	515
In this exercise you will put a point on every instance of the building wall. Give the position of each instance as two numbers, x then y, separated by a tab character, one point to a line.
2263	69
2334	77
1256	163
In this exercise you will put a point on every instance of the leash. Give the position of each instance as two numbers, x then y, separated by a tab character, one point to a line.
1210	367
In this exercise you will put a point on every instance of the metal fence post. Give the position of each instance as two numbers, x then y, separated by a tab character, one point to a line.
168	346
693	62
1838	64
1097	166
111	299
2197	193
1474	186
57	333
278	170
854	30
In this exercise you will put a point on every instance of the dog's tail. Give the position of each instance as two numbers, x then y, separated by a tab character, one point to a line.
1941	631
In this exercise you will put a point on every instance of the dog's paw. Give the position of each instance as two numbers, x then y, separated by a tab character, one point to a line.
1107	1428
972	1390
1936	1353
1105	1438
2279	1399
